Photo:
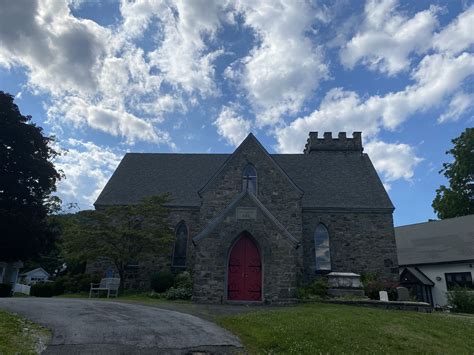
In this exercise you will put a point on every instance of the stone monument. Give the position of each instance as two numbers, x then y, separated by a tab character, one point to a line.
383	296
344	283
403	294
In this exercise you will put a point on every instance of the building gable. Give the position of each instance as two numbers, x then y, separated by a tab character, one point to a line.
251	142
231	208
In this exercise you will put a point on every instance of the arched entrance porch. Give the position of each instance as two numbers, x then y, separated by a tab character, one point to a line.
244	274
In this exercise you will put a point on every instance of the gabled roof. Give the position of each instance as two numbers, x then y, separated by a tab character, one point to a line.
231	207
448	240
418	274
247	140
38	269
339	180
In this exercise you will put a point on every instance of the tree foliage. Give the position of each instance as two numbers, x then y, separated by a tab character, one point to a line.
27	179
121	234
458	199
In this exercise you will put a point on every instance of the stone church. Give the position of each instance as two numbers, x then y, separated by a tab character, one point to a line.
251	226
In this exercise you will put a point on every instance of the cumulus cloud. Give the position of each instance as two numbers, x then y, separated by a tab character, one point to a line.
458	36
285	67
388	39
87	168
232	126
393	161
60	51
94	75
183	56
459	105
436	79
438	76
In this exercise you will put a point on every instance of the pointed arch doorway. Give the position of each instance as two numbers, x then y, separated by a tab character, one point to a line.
244	274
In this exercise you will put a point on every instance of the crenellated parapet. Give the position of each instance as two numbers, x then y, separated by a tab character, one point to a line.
328	143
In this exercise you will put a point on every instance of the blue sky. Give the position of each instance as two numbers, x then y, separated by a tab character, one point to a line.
111	77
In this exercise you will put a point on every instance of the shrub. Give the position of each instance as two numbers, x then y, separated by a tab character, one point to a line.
179	293
162	281
5	290
74	283
373	285
44	289
319	287
316	289
462	300
183	280
58	286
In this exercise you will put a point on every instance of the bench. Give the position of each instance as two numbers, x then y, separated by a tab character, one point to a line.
111	285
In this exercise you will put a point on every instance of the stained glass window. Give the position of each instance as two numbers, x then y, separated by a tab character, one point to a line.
249	179
180	245
321	242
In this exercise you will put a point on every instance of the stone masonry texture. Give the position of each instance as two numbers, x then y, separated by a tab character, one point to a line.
361	239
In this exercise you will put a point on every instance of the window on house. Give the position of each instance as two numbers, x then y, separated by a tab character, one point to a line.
249	179
180	245
321	243
459	279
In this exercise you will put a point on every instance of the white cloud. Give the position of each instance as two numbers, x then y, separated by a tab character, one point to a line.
183	56
339	111
459	105
388	39
60	51
437	77
95	76
231	126
458	36
284	68
392	161
87	167
114	122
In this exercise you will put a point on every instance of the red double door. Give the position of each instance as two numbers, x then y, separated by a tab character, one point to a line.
245	271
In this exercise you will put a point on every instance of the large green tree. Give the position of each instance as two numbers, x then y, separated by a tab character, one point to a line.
119	234
27	180
458	199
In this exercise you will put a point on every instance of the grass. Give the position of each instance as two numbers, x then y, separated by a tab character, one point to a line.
20	336
319	328
139	297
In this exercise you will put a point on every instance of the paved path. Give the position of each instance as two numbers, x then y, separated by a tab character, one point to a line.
97	327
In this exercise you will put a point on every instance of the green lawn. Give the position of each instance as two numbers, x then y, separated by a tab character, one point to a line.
20	336
325	328
143	298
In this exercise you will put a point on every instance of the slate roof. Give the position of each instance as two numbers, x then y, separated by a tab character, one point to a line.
328	179
433	242
425	280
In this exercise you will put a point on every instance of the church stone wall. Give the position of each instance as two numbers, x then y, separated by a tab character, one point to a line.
275	190
280	260
359	242
138	276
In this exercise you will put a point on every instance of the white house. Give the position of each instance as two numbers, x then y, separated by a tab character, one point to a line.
9	271
36	275
436	256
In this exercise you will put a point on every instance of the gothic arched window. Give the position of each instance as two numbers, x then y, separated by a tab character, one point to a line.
180	245
249	179
321	248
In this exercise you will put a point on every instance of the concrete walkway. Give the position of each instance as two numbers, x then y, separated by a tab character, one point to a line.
97	327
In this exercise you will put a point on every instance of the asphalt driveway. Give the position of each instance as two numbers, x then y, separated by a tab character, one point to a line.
97	327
